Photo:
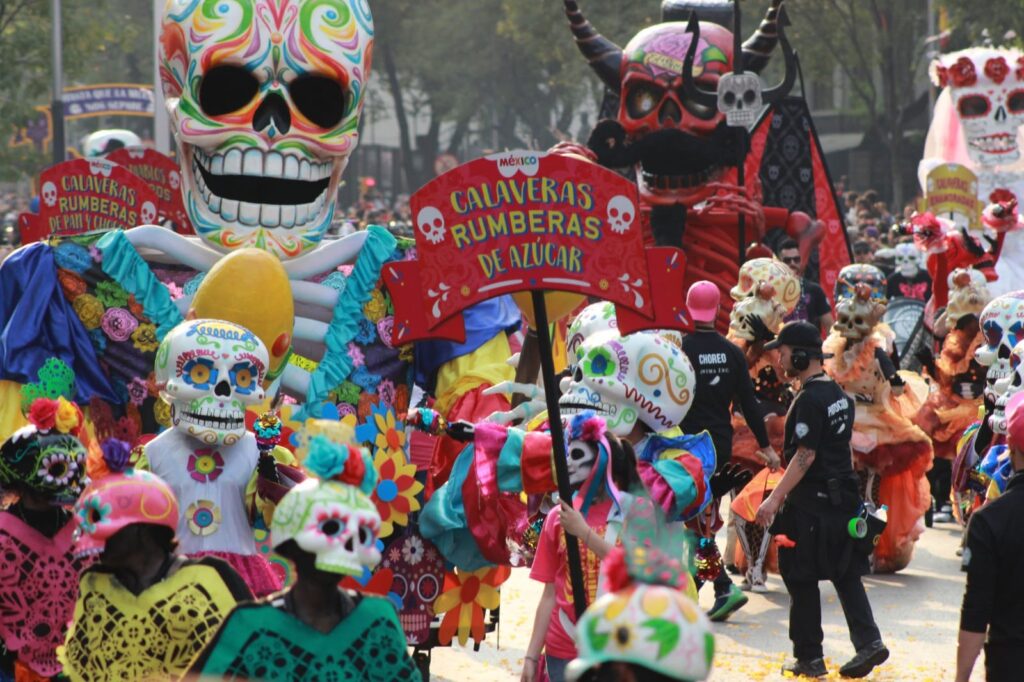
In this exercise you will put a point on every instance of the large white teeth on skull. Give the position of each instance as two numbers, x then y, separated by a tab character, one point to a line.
257	163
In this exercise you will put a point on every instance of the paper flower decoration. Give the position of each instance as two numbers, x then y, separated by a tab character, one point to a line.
203	518
382	429
205	465
465	596
397	487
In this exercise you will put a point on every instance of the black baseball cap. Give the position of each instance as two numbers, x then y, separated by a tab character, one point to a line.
799	335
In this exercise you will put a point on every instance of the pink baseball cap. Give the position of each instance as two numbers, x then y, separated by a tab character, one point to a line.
1015	421
702	301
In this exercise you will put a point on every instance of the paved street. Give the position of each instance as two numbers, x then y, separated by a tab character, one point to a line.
917	610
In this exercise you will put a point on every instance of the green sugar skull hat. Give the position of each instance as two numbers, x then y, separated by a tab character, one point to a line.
331	516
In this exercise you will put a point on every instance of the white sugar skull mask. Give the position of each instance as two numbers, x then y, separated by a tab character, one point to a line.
641	377
1002	325
264	98
332	520
968	295
988	93
772	271
907	260
762	305
210	371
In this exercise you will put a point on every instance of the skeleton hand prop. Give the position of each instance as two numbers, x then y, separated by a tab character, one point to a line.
528	410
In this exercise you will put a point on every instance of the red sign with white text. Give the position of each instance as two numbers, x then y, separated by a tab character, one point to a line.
525	221
163	176
88	195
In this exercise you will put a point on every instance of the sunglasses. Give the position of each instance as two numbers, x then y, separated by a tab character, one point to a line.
791	260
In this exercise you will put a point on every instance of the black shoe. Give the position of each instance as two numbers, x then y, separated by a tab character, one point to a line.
864	662
812	668
733	569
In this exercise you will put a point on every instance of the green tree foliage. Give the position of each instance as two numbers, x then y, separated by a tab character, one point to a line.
104	41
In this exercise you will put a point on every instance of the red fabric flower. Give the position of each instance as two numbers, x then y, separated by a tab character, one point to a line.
1001	195
996	69
355	468
943	75
1020	68
43	413
615	571
962	74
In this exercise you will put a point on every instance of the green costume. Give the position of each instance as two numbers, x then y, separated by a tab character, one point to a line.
261	641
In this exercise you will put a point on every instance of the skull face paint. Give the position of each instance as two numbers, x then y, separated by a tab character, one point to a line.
209	371
987	86
265	98
581	459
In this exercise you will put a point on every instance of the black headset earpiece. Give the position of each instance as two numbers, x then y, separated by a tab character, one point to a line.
800	359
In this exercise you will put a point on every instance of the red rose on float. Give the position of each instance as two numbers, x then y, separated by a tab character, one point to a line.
996	69
942	73
962	74
355	468
43	413
1001	195
1020	68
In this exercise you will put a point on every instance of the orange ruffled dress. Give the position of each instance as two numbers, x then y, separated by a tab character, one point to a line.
886	441
946	414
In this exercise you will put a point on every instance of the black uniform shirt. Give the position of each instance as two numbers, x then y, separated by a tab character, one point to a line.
994	561
722	378
821	419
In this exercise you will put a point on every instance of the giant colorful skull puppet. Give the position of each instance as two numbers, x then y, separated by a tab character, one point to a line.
264	98
1002	324
210	371
987	86
656	95
640	377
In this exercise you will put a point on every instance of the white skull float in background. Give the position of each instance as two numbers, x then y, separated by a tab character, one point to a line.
1002	324
986	86
264	98
210	371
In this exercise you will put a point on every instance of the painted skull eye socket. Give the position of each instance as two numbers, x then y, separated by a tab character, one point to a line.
365	536
330	527
226	89
243	376
319	99
200	373
729	98
973	106
578	454
642	100
858	320
427	587
749	96
1015	102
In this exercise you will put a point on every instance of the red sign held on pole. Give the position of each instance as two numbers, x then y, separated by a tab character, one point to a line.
163	176
531	221
89	195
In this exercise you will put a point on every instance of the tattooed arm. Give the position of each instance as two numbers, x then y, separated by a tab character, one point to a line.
795	472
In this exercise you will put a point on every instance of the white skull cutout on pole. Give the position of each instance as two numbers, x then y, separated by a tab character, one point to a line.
264	99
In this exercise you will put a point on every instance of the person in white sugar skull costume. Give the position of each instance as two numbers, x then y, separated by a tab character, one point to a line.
210	371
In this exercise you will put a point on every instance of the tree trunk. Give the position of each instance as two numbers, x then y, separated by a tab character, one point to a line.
395	86
458	135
